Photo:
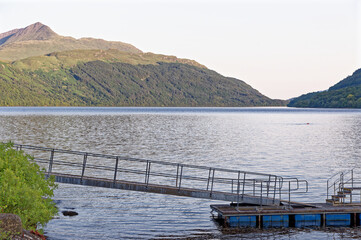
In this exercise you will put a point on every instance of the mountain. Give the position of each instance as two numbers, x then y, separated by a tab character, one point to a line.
42	68
107	83
36	31
38	39
344	94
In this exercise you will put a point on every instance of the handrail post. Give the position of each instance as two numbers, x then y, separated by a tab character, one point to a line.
340	187
280	189
115	170
289	192
51	160
254	187
351	185
209	176
341	182
212	183
244	184
327	189
274	190
147	173
268	183
84	166
176	180
239	175
261	199
180	178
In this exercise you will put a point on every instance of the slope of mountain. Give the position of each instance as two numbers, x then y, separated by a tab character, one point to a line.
344	94
50	70
99	83
6	35
38	39
71	58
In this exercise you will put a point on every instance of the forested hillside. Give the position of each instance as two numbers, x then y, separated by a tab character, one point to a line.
99	83
344	94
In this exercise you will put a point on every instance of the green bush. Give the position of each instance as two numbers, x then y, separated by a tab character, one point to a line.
23	188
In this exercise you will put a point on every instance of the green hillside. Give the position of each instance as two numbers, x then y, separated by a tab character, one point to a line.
344	94
68	59
42	68
99	83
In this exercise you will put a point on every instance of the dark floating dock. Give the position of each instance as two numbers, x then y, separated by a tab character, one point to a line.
342	208
257	198
310	215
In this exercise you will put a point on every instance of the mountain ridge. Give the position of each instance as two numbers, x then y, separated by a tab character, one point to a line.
38	39
68	59
36	31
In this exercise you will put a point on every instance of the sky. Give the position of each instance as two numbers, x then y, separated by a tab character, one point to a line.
282	48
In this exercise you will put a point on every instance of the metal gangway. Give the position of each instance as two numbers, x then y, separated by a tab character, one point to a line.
113	171
344	188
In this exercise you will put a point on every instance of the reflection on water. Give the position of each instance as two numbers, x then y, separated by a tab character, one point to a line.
308	143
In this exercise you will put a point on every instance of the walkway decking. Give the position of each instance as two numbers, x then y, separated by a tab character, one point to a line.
161	189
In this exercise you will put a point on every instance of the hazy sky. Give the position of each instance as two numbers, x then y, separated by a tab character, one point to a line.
283	48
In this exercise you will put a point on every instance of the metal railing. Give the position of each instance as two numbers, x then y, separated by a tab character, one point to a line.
342	185
162	173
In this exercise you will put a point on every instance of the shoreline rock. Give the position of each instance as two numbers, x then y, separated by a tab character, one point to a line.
12	228
69	213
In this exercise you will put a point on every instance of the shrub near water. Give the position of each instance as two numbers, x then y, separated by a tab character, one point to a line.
23	188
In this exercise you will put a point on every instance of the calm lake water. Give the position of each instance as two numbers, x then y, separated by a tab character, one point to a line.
310	144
